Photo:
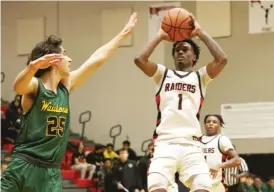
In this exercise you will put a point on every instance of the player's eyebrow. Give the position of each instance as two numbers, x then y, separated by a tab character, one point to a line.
183	46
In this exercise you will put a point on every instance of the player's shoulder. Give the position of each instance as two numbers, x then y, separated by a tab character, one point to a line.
223	137
161	67
160	72
39	83
64	88
66	85
36	84
201	69
224	140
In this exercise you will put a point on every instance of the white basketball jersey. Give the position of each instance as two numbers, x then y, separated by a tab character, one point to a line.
211	146
179	99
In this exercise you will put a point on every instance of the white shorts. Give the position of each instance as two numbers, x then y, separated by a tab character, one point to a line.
218	188
187	160
173	187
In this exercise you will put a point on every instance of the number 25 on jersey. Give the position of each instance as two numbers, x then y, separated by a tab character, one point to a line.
55	126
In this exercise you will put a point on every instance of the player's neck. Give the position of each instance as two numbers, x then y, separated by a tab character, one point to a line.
51	80
185	69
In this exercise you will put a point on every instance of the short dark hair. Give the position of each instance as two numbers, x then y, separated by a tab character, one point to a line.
98	147
126	142
109	145
106	159
194	46
258	177
250	175
271	178
219	117
51	45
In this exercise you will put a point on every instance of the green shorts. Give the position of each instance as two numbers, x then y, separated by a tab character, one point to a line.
22	176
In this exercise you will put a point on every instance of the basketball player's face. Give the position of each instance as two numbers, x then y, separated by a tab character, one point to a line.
123	155
107	164
212	126
249	181
184	56
258	182
271	183
64	65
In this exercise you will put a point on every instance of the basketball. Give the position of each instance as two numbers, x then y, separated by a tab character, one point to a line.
178	24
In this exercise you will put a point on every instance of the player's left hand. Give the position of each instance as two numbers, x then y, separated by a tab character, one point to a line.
197	30
163	35
213	173
214	170
129	26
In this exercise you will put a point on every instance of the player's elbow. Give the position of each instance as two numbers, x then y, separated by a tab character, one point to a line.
222	60
18	89
138	60
237	161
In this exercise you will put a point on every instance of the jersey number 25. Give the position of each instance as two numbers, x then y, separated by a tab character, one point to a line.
56	126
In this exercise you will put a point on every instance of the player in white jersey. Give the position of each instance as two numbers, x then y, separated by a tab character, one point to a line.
217	149
179	95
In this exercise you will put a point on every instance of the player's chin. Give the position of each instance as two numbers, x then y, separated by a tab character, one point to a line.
211	132
179	63
183	64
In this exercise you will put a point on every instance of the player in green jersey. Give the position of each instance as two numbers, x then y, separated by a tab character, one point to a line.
45	85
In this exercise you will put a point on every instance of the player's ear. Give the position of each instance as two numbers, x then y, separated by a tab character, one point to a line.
194	58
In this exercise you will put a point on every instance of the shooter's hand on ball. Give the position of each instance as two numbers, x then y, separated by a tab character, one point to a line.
163	35
197	30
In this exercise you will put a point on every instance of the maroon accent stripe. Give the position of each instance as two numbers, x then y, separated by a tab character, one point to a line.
200	107
153	141
159	115
162	83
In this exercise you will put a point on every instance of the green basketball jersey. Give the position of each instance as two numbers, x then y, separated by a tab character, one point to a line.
45	127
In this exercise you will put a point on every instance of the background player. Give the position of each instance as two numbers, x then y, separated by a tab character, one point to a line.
45	85
217	148
179	95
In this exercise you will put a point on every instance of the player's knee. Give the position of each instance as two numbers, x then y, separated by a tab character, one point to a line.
92	167
157	183
82	166
201	182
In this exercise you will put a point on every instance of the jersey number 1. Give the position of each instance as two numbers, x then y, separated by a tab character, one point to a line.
56	126
180	101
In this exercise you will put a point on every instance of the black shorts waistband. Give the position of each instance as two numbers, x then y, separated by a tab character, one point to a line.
35	161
